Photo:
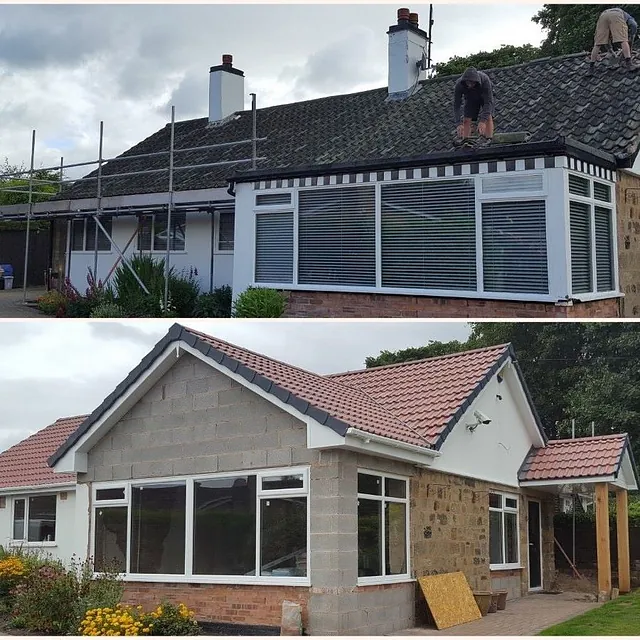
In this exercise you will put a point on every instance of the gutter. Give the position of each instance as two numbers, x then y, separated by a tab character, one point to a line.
231	190
38	488
390	442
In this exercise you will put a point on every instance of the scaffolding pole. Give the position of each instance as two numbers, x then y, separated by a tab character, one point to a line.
101	161
169	208
26	242
98	203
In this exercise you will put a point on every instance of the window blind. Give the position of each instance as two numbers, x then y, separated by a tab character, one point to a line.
580	232
274	247
514	247
604	249
428	235
336	236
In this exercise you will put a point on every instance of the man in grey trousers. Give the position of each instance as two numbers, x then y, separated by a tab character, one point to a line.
476	89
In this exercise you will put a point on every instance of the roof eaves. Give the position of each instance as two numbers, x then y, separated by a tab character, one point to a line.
471	397
527	460
627	448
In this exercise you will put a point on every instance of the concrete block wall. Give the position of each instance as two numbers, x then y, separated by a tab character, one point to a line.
336	604
196	420
509	581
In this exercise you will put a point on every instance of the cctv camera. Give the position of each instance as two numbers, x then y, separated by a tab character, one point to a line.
481	418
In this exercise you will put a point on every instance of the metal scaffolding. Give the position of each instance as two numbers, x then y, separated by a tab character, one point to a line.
98	212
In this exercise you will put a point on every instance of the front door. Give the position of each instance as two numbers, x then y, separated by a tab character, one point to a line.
535	546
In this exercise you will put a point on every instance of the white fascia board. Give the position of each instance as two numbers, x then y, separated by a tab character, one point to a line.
112	202
562	481
364	442
40	488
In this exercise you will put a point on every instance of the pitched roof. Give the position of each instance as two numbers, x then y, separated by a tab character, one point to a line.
551	98
430	394
25	464
575	458
350	400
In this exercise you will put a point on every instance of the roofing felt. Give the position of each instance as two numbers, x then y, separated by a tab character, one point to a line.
340	402
551	98
25	464
575	458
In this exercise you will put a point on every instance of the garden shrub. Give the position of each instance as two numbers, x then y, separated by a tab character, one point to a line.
183	293
129	293
12	572
171	620
216	304
52	303
108	310
259	302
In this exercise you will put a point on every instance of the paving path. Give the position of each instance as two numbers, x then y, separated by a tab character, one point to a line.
522	617
11	305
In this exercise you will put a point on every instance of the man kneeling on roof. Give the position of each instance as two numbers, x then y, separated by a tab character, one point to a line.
618	26
476	89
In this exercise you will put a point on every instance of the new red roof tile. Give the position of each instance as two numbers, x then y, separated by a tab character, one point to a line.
576	458
25	464
427	394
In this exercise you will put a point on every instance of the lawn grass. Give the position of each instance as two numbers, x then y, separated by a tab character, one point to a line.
619	617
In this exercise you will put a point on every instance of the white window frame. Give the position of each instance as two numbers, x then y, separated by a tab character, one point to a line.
592	202
216	234
554	192
85	220
504	509
152	249
388	579
14	542
189	482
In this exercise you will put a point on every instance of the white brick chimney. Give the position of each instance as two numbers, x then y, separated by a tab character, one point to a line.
407	43
226	90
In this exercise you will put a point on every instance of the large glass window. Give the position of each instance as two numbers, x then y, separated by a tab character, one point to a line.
83	234
247	526
153	234
504	548
382	526
158	528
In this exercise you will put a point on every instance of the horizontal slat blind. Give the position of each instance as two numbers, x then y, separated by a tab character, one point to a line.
512	182
336	236
580	230
514	247
274	247
579	186
428	235
270	199
604	249
601	191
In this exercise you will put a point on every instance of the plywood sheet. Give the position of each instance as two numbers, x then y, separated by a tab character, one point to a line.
450	599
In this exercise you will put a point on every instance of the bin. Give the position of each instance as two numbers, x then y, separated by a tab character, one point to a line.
8	282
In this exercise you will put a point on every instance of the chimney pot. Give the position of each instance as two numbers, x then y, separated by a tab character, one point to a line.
227	59
403	14
413	19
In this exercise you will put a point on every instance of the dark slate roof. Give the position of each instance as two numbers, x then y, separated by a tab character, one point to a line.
551	98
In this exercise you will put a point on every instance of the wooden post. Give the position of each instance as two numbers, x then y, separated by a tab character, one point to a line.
622	531
602	539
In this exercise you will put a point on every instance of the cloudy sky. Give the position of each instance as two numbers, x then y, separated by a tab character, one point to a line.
63	68
53	369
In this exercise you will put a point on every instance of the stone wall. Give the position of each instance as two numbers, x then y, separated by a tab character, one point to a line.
628	214
323	304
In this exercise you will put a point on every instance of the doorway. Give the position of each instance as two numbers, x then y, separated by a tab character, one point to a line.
535	546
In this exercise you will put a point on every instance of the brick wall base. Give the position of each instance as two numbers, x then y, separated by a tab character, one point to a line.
321	304
236	604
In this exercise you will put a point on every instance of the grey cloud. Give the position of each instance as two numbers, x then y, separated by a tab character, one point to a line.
190	97
128	332
14	333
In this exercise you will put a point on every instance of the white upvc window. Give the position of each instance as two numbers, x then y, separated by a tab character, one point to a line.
34	520
592	236
153	232
383	528
245	527
83	234
504	531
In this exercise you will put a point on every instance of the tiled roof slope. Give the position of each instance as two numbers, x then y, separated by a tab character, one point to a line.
577	458
551	98
430	394
25	464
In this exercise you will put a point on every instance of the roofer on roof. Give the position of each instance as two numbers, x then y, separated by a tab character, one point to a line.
618	26
477	90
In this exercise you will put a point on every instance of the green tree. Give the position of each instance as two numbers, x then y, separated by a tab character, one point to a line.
505	56
582	371
12	191
570	27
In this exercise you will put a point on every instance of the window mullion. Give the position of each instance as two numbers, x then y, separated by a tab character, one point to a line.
378	233
258	528
383	534
129	528
592	240
189	525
